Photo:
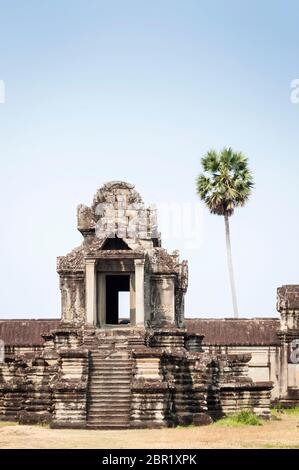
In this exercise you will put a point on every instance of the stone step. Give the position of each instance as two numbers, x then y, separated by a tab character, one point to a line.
101	352
105	395
103	411
110	388
107	376
111	363
108	427
112	378
102	383
114	394
106	404
102	401
113	391
108	414
108	346
106	417
112	418
112	360
109	391
114	372
118	353
105	407
108	368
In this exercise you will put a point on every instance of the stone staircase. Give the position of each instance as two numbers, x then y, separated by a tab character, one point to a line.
110	378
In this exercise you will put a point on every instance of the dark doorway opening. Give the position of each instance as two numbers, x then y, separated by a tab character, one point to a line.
114	285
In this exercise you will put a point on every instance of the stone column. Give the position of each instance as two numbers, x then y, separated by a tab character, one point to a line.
283	366
101	299
139	291
90	278
132	300
163	298
72	297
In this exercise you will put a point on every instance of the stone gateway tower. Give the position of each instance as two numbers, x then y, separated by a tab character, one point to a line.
121	251
95	368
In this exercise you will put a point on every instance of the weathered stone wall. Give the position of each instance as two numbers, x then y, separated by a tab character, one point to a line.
232	389
70	390
25	390
151	397
173	386
48	385
263	365
170	384
189	377
288	306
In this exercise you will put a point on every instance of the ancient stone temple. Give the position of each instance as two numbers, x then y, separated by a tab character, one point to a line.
103	366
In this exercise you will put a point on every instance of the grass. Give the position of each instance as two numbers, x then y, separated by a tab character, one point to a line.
278	411
7	423
240	419
282	433
280	445
292	411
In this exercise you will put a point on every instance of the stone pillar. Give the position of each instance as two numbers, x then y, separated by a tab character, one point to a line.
139	290
101	299
90	279
132	300
72	296
283	373
163	299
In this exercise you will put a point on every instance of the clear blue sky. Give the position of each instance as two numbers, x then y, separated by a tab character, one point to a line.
139	91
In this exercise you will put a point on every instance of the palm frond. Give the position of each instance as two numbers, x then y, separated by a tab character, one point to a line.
226	181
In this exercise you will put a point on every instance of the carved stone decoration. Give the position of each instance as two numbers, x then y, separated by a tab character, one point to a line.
163	299
288	306
119	226
72	298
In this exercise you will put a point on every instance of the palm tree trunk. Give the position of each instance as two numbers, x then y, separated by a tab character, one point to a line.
230	266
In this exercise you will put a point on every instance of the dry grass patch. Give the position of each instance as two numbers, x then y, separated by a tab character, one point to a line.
282	433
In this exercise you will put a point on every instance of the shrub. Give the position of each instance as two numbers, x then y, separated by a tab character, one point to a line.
239	419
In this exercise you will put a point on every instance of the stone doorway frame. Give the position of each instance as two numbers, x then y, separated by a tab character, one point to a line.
101	299
95	291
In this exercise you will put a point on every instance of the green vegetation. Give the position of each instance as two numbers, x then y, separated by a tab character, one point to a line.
240	419
7	423
279	445
278	410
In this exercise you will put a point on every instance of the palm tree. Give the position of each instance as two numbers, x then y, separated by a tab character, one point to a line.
225	184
